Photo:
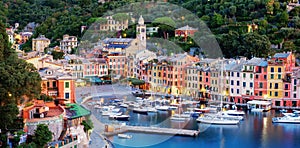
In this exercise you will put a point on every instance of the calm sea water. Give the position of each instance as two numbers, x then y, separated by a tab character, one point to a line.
256	131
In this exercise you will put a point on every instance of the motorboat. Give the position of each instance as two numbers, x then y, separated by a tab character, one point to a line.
124	105
115	111
217	120
125	136
235	113
287	118
296	111
225	115
140	110
151	110
120	117
180	117
162	108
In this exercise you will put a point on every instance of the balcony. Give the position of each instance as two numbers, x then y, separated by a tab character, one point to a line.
53	89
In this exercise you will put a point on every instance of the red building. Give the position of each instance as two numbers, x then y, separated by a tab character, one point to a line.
185	31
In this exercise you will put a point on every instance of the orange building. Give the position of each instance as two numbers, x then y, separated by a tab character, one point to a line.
59	85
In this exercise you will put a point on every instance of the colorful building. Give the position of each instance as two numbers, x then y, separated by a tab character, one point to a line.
59	85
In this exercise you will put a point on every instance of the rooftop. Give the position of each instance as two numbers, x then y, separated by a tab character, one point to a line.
187	27
281	55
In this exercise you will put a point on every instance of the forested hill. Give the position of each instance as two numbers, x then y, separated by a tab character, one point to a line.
228	19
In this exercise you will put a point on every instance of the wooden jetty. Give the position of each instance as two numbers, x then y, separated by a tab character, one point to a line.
156	130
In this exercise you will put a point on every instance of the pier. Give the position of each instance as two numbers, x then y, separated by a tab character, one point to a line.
155	130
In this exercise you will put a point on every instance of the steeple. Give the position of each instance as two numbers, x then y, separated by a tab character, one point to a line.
141	20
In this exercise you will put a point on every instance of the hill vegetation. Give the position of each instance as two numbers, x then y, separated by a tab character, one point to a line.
228	20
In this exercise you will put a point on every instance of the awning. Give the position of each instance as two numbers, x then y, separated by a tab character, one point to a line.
74	111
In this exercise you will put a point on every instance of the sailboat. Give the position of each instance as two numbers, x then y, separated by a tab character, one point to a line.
219	118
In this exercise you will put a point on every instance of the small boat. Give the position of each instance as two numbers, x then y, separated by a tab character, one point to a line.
120	117
225	115
296	111
287	118
125	136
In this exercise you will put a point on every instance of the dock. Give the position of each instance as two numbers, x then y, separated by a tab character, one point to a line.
155	130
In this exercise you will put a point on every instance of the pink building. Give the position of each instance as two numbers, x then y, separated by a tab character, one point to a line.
260	80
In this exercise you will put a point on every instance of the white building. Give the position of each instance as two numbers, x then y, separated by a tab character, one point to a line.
68	43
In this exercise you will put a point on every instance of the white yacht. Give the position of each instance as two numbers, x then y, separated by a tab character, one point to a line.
235	112
151	110
287	118
180	117
120	117
217	120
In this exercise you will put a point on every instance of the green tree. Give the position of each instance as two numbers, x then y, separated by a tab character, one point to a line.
255	45
217	20
18	79
232	10
42	135
166	26
121	17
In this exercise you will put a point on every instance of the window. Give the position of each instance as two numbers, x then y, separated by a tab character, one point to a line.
261	85
154	74
295	95
270	93
279	69
67	95
244	84
231	90
272	76
265	77
53	84
238	83
276	94
279	76
232	74
295	82
251	75
251	84
256	76
206	80
232	82
67	84
260	93
244	75
270	85
238	74
48	84
286	86
286	94
238	91
276	85
272	69
295	88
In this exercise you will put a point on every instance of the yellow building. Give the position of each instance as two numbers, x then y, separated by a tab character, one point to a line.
40	43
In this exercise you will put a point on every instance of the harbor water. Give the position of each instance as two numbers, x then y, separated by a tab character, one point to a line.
255	131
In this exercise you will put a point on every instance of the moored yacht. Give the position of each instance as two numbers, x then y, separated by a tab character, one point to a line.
287	118
217	120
